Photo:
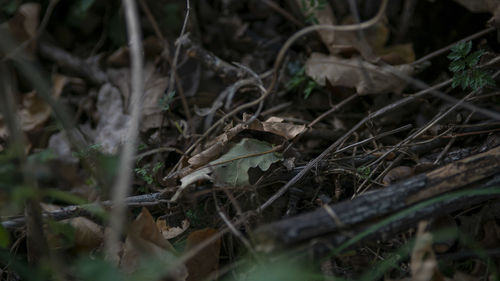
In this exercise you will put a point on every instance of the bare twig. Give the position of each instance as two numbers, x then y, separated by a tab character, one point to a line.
84	68
327	151
279	60
122	185
283	12
445	49
173	67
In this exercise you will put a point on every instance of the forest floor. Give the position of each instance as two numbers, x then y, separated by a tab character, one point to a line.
250	140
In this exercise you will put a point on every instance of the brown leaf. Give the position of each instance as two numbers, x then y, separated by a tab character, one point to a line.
88	234
423	260
154	87
170	232
34	112
348	73
145	240
206	260
324	16
272	125
24	24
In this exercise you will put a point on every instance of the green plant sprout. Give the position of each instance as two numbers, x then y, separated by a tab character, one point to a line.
464	67
166	100
146	173
309	7
301	81
364	171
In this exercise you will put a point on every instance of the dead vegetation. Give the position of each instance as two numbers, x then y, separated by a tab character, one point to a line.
249	140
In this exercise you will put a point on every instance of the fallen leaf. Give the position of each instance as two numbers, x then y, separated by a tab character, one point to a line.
272	125
154	88
423	260
144	241
348	73
34	112
323	16
206	260
170	232
24	24
113	123
235	173
87	235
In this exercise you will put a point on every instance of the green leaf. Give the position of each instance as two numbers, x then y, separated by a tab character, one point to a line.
480	79
311	85
473	59
457	65
4	237
460	50
235	173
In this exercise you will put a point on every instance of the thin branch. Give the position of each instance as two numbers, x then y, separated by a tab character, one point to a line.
445	49
333	146
122	185
279	60
173	69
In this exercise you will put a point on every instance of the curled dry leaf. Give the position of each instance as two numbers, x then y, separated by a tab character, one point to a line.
371	46
273	125
206	260
231	169
34	112
372	79
144	240
170	232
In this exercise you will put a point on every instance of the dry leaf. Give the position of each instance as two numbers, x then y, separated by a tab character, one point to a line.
119	58
323	16
112	127
154	87
87	234
170	232
423	260
273	125
24	24
145	240
206	260
348	73
34	112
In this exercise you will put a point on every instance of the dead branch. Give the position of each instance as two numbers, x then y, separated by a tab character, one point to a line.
368	209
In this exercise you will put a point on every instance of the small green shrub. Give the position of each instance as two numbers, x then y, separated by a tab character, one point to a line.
464	67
